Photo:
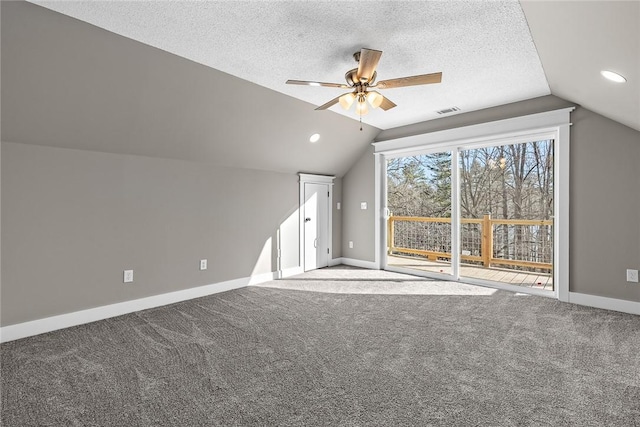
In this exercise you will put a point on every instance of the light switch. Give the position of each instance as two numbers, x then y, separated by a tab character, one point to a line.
338	205
363	205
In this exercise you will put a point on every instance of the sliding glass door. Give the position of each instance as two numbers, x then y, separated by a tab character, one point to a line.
506	214
419	204
481	214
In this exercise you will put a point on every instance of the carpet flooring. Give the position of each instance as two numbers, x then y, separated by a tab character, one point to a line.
279	355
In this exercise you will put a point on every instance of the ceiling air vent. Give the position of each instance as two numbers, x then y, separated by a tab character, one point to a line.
448	110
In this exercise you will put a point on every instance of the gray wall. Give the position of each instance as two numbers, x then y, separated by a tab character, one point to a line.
73	220
117	155
358	185
605	206
605	195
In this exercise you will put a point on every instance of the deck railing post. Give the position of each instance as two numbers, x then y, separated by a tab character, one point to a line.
487	240
390	239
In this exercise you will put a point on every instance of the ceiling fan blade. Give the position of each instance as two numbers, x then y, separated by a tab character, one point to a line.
367	65
331	103
306	83
387	104
422	79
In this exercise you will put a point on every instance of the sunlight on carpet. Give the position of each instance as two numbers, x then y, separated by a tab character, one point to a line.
348	280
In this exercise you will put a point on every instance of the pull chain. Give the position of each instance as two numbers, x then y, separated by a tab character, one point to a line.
360	122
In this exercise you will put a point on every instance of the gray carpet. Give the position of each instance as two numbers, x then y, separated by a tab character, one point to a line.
277	356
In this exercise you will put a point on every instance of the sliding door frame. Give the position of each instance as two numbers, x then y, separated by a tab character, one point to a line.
381	253
548	125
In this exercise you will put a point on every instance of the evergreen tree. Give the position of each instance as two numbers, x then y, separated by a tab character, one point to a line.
439	164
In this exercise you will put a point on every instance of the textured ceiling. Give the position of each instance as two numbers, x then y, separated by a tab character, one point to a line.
484	49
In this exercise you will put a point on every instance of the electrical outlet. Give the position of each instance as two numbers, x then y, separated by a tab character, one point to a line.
632	275
363	206
203	264
350	244
128	276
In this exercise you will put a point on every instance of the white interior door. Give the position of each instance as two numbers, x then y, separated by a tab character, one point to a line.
316	226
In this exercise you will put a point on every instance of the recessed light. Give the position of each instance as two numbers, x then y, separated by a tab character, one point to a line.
614	77
314	84
315	137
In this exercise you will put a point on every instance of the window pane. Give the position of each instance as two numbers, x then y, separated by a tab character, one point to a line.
506	210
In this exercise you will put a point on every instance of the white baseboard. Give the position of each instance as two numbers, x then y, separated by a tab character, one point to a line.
335	261
371	265
288	272
53	323
614	304
40	326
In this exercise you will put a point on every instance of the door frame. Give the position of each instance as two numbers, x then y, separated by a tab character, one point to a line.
307	178
551	124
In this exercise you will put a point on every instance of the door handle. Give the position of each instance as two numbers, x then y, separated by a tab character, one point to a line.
307	219
315	243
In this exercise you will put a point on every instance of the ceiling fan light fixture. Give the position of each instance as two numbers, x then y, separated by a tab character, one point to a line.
361	108
374	98
346	100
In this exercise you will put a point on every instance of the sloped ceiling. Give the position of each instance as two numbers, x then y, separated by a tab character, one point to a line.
68	83
483	48
578	39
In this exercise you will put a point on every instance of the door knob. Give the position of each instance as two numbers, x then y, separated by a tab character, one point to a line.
307	219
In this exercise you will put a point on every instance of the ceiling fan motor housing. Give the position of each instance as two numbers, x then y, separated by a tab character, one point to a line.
352	79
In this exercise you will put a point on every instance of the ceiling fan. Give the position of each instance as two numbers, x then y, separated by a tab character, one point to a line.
362	79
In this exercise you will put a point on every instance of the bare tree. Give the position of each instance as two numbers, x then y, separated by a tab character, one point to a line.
511	181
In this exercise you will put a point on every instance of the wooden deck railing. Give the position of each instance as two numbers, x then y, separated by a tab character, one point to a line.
487	240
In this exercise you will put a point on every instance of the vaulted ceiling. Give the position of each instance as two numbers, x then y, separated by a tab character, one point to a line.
68	84
205	81
484	49
578	39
